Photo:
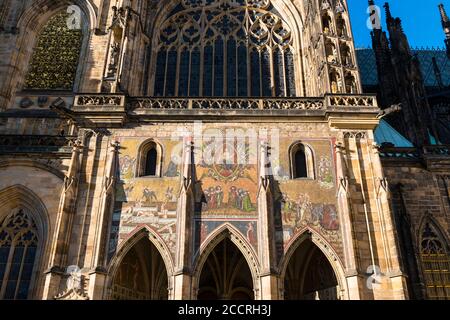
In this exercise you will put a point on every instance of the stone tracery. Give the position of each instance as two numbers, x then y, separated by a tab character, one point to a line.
234	44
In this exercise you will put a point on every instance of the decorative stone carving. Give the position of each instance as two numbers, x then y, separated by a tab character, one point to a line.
99	100
355	134
26	103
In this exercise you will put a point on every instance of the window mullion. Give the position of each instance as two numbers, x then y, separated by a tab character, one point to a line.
7	270
19	276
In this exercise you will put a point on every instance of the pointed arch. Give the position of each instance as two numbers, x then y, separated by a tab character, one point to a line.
150	159
302	160
24	205
325	248
33	164
31	22
226	231
136	236
286	10
434	252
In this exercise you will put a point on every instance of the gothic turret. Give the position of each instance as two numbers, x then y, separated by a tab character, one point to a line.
401	81
446	27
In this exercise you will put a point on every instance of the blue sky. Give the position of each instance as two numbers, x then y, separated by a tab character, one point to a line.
420	19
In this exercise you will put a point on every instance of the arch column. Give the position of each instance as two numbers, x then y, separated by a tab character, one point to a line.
97	275
266	241
182	278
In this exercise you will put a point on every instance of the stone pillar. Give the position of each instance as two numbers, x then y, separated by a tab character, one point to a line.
61	241
266	236
355	281
182	281
97	275
390	253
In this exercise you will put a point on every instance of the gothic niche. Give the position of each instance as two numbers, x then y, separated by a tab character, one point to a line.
331	51
224	48
55	58
141	275
346	56
309	275
336	82
341	26
350	83
326	23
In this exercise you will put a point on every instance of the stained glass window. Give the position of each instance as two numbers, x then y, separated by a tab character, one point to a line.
435	263
55	58
237	46
18	246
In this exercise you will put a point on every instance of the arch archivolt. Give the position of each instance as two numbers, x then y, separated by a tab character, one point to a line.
217	236
51	167
128	244
325	248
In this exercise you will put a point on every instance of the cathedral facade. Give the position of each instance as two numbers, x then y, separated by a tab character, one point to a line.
217	149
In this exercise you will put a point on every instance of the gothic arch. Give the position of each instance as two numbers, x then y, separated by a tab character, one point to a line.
309	155
288	11
325	248
142	233
142	154
216	237
428	218
31	23
434	257
19	197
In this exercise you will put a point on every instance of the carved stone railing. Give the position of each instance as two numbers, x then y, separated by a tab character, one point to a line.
400	153
214	103
10	144
99	100
227	103
438	150
351	101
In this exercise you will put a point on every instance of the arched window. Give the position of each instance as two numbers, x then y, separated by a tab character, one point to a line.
150	158
224	48
55	58
302	163
435	262
18	247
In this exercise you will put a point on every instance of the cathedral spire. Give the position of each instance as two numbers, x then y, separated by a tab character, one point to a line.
444	17
388	12
446	26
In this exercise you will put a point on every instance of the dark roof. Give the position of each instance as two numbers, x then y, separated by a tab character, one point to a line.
368	66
